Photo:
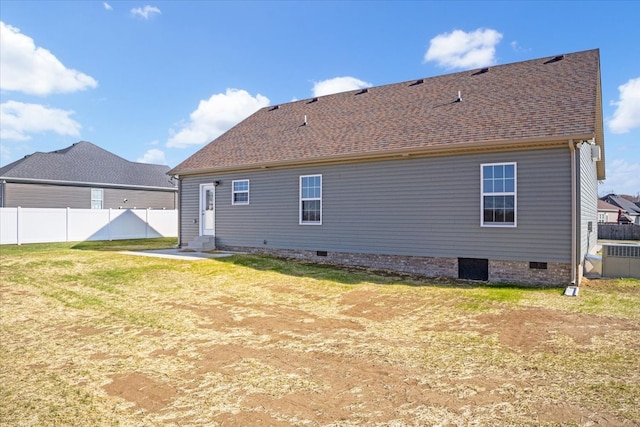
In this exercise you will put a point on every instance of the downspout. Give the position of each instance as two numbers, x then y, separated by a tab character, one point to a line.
574	213
177	206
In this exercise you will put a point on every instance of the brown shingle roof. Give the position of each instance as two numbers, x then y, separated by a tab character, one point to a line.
604	206
537	99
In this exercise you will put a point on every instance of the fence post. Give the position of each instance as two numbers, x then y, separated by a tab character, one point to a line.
66	228
146	223
18	209
109	225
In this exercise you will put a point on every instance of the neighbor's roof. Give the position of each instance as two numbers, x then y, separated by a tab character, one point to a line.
554	98
605	206
625	204
85	163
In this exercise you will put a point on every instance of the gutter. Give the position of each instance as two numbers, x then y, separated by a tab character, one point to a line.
9	179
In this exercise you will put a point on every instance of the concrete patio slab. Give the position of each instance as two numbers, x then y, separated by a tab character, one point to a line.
179	254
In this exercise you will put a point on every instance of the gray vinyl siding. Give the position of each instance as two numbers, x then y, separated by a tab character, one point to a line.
47	196
141	199
417	206
66	196
189	215
587	200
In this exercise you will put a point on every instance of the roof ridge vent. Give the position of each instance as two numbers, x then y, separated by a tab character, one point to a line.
275	107
365	90
417	82
554	59
313	100
481	71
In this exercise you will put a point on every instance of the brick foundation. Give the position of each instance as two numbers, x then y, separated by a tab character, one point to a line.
519	272
557	274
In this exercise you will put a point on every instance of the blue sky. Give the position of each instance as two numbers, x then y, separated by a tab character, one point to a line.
153	81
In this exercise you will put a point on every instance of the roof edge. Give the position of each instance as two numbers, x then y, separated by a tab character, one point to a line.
459	148
600	166
10	179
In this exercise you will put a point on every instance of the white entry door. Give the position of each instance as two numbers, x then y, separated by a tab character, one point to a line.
207	210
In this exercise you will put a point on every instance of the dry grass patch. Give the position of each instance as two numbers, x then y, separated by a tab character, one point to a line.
94	337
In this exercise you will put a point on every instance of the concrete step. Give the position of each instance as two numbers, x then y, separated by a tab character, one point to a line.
202	243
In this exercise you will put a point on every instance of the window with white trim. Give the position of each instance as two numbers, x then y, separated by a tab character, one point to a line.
498	198
240	192
311	199
97	198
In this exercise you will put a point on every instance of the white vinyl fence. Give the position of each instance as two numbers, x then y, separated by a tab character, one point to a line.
35	225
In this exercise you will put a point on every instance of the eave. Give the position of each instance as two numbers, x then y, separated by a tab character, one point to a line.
599	136
435	150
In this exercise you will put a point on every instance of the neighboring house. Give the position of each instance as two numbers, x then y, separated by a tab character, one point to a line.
628	207
608	213
85	176
442	176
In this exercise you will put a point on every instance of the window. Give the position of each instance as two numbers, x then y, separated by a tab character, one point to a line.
97	196
240	192
311	199
602	217
498	199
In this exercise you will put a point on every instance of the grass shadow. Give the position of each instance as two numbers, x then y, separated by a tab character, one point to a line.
127	245
355	275
345	275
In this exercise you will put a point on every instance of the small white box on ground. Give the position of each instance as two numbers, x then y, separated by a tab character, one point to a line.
571	291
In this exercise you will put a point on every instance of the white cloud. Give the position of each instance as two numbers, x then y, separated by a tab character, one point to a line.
145	12
623	177
5	155
517	48
216	115
153	156
26	68
18	120
627	114
338	84
107	6
459	49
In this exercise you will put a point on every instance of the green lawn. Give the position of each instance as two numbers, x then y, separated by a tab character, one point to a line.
91	336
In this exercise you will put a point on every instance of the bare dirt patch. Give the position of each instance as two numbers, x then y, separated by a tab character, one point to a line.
528	328
378	307
145	392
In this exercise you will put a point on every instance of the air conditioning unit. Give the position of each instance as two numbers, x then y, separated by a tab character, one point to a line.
621	260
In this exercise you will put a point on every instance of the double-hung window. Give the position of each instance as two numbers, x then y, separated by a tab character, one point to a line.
240	192
97	197
498	198
311	199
